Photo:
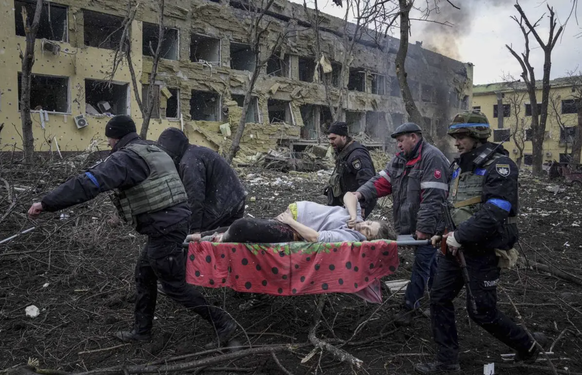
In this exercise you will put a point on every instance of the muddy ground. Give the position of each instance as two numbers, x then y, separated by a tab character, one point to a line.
78	270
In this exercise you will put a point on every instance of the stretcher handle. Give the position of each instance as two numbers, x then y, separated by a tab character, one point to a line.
399	243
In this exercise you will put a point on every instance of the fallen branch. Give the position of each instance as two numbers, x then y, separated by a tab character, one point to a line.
339	354
556	272
205	362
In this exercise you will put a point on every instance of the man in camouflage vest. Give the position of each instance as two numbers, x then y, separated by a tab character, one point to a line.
483	206
353	167
149	195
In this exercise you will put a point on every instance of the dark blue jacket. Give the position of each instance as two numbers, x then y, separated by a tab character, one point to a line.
213	187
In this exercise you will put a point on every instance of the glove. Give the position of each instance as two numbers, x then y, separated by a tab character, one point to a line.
452	241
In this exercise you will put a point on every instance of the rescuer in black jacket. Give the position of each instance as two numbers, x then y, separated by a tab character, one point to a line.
353	167
483	204
215	194
150	195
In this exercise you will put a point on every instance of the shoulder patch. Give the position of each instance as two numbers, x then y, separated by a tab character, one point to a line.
357	164
503	169
437	174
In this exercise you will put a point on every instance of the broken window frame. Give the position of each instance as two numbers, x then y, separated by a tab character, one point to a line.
175	94
47	20
239	99
217	110
353	85
150	49
378	131
309	64
34	102
248	67
309	131
477	108
284	66
288	112
111	40
124	86
198	37
395	87
378	84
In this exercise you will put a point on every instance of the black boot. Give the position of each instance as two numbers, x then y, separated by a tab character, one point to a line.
530	356
132	336
224	328
437	368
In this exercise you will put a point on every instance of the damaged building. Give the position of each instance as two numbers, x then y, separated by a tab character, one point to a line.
204	72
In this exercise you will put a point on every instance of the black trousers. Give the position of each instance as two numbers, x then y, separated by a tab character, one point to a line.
484	276
162	258
236	213
259	230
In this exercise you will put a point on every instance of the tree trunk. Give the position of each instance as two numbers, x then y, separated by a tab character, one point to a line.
577	144
148	109
26	80
241	124
411	109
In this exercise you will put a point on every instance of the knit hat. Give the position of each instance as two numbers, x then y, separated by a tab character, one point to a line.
339	128
119	126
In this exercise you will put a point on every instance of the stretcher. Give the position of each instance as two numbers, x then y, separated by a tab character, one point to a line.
295	268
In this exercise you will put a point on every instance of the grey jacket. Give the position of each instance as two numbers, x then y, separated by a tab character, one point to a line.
419	186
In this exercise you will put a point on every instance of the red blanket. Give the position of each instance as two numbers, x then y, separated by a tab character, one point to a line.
293	268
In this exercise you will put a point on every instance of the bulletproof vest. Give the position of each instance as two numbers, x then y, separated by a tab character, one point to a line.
162	189
340	166
465	191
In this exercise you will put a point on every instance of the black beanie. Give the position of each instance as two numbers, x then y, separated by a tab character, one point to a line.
119	126
339	128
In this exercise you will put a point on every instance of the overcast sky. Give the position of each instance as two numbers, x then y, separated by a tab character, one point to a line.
482	28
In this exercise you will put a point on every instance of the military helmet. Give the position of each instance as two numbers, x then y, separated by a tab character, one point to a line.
406	128
472	122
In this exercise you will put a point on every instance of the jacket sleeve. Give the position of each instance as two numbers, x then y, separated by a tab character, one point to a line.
499	201
378	186
433	192
122	169
193	174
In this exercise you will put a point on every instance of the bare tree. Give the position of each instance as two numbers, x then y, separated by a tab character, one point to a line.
538	120
124	52
516	99
258	36
555	110
27	58
372	19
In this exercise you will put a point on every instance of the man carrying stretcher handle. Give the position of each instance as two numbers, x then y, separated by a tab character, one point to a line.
311	222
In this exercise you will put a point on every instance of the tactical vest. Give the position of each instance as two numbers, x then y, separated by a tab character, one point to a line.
340	166
162	189
466	190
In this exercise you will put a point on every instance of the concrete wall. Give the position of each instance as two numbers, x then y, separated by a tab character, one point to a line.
442	86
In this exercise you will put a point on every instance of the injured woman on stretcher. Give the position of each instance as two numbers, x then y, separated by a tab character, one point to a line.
308	249
307	221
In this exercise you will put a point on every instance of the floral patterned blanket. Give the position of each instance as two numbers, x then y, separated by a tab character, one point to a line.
293	268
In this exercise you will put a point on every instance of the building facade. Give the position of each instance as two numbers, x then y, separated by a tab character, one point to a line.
508	108
205	71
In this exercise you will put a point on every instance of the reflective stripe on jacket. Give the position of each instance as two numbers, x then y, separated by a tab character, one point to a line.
419	186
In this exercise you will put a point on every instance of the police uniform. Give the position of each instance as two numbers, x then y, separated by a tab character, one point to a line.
148	194
353	168
483	201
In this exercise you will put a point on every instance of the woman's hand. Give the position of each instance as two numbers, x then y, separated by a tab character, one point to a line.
286	217
352	221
